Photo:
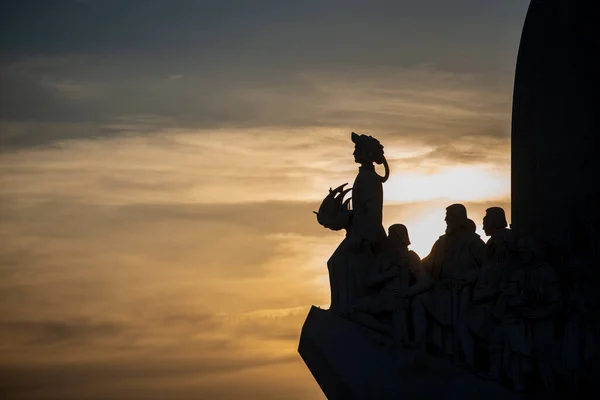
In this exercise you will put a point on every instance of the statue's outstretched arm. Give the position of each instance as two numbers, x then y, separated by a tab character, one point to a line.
427	262
424	283
380	278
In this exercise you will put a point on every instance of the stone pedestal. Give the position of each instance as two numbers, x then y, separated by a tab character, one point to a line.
348	364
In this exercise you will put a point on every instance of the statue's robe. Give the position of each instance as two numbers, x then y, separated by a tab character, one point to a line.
499	251
349	268
581	343
453	264
528	339
507	312
383	301
381	298
410	274
582	331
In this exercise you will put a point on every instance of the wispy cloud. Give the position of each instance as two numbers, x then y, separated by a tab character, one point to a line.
422	103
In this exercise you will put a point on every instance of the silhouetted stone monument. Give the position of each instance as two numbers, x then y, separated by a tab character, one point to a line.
355	350
517	315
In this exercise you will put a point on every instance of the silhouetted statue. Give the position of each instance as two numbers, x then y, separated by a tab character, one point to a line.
542	309
502	240
367	232
355	258
397	268
409	265
414	280
453	265
507	335
500	252
527	308
581	344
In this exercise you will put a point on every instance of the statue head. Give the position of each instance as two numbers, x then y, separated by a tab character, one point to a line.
471	225
398	235
456	218
494	219
527	250
368	150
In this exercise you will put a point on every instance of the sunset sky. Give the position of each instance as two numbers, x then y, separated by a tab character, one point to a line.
160	162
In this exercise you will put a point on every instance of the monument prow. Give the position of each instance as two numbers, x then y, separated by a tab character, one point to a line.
348	363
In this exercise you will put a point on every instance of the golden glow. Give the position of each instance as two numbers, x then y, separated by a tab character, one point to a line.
425	229
468	183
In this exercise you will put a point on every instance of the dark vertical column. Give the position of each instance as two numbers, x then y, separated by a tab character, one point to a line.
555	135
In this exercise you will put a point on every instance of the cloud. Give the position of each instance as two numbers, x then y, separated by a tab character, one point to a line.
348	30
69	258
87	97
167	381
121	380
473	149
18	135
52	332
258	72
172	354
236	166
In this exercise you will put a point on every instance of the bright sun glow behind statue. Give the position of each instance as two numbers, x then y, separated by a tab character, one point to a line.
473	183
448	185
